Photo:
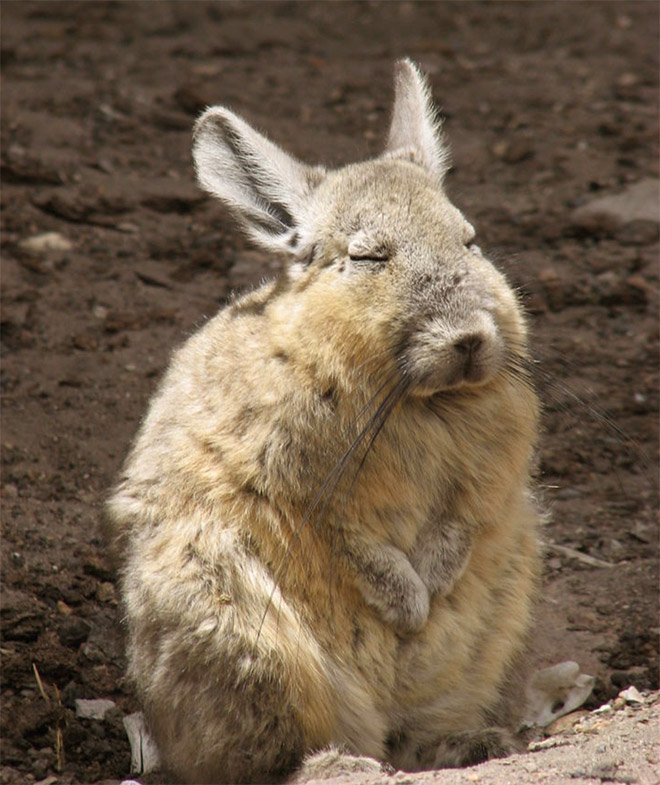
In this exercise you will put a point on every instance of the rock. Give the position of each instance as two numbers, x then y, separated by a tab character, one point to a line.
627	79
564	723
20	166
127	227
100	312
517	151
84	206
631	695
63	609
45	243
513	152
639	290
555	691
43	265
73	631
105	592
176	198
151	274
638	232
640	531
93	709
144	754
638	204
97	568
86	342
546	744
15	322
10	491
21	614
63	205
48	781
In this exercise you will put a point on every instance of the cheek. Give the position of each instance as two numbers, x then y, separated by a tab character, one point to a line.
508	315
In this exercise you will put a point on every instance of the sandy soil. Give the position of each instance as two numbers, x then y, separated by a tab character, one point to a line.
547	106
617	745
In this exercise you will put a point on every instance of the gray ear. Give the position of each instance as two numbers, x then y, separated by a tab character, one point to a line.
267	189
415	128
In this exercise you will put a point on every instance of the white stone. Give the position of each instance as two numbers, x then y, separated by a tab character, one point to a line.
144	753
93	709
631	695
561	685
45	243
638	202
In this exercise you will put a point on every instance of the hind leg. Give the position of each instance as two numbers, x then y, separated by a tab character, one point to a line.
472	747
224	733
337	762
234	686
452	750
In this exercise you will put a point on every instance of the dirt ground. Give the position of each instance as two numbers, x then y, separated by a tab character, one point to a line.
546	106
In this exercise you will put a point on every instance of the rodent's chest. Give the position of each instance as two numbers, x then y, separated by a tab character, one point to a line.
426	469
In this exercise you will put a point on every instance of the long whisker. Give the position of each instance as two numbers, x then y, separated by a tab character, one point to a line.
389	378
535	369
595	413
386	409
330	483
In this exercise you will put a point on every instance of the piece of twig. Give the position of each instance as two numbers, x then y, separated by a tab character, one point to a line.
40	683
564	550
59	738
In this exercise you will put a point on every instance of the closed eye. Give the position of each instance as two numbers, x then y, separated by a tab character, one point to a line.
372	256
364	247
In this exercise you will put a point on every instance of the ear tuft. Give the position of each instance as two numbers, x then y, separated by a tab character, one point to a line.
415	128
267	189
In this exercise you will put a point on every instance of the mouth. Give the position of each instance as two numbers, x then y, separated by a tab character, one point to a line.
454	362
468	377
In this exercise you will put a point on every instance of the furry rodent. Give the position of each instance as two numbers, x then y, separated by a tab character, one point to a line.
326	525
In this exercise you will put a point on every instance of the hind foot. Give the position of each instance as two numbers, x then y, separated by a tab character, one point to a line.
334	762
472	747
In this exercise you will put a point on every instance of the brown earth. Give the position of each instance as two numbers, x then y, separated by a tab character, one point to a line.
547	105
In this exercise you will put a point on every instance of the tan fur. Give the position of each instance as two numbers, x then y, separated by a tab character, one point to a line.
279	600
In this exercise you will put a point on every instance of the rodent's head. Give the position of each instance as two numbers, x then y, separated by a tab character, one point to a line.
380	262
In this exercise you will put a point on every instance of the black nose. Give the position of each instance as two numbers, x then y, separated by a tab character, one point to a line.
469	345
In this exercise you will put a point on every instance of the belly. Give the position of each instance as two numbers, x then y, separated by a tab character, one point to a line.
453	672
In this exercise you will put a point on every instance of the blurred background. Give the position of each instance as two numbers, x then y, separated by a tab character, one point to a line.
112	256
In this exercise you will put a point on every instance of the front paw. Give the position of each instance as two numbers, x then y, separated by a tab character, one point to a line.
441	561
404	602
438	581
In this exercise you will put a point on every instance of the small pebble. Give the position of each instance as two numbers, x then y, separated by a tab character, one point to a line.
63	609
105	592
564	723
95	709
45	243
10	491
73	631
100	311
631	695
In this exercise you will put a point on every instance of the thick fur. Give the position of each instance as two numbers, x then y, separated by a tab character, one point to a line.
326	526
